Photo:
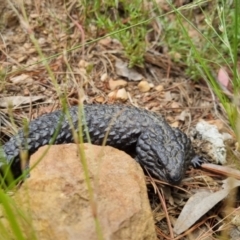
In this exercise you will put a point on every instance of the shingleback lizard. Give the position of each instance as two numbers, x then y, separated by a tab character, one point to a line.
163	151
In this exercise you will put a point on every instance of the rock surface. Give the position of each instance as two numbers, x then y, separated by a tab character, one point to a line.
57	198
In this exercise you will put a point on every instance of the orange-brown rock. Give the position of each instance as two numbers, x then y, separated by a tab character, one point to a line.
57	199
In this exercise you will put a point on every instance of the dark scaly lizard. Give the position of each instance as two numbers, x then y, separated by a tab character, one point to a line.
165	152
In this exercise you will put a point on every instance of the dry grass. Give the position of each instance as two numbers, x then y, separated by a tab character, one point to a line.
54	50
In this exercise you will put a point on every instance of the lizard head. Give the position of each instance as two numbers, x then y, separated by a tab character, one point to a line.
164	152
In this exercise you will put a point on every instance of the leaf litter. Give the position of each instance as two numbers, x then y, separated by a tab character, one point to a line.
200	203
182	101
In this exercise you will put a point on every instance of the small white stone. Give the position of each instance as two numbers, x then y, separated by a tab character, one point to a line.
104	77
83	64
144	86
41	41
159	88
122	94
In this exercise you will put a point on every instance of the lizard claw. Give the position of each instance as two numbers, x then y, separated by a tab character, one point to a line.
197	161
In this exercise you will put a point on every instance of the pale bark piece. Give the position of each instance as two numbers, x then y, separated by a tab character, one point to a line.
213	141
57	199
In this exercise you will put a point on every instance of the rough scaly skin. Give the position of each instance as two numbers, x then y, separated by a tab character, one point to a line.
164	151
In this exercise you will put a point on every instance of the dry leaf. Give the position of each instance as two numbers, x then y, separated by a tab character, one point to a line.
183	115
100	99
201	203
223	80
223	170
175	124
223	77
168	96
123	70
105	41
23	78
16	101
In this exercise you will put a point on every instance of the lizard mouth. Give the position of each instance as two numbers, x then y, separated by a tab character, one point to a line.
175	180
161	175
165	176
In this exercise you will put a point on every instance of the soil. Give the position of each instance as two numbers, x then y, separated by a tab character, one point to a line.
31	86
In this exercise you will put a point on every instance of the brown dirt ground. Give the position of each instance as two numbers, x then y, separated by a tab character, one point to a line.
83	74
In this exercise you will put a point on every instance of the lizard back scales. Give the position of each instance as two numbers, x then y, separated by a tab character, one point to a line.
164	151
